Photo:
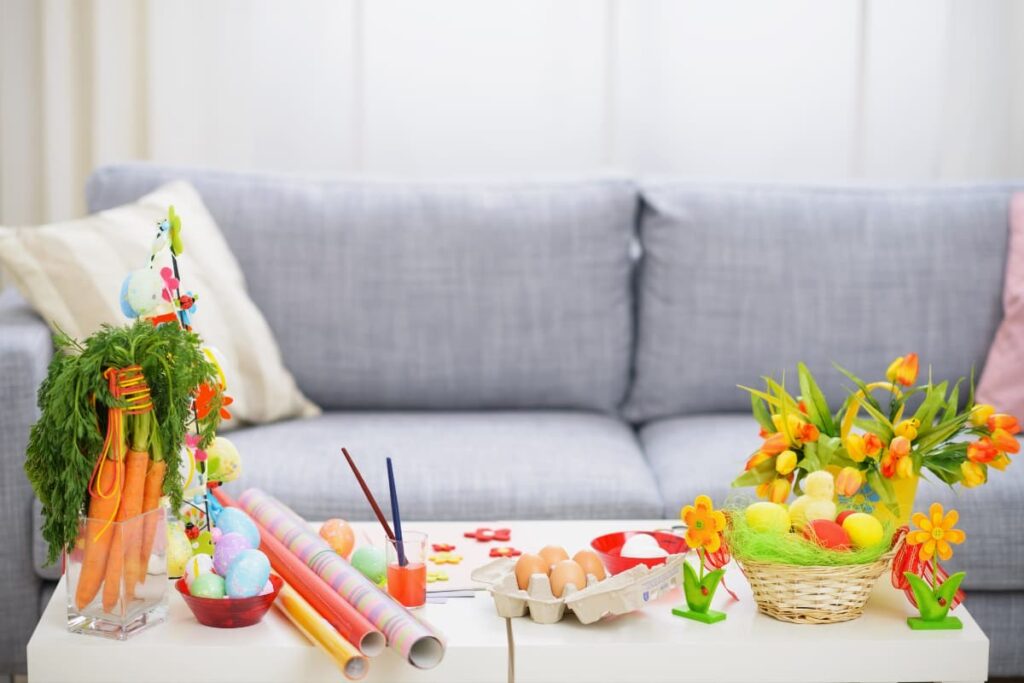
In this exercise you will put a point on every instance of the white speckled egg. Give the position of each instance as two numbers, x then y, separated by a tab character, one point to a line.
247	574
196	566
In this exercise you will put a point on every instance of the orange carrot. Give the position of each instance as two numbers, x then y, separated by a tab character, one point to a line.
150	501
127	539
97	537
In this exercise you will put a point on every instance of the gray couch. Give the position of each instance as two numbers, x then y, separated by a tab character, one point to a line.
507	345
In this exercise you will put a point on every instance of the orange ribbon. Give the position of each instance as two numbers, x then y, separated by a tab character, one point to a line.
128	386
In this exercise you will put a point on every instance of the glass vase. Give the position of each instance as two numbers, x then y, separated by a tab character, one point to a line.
116	576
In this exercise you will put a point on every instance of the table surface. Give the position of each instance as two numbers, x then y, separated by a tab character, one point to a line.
650	644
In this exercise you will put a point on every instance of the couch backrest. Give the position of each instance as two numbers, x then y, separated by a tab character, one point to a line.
431	295
740	281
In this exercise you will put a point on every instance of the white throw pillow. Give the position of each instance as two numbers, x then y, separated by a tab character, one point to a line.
71	273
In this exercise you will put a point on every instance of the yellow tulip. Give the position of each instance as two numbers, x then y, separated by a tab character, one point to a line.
905	468
786	462
899	446
849	481
974	474
1001	462
908	428
855	447
779	491
981	413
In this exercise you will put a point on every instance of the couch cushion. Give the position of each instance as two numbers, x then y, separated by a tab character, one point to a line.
704	453
436	296
740	281
462	466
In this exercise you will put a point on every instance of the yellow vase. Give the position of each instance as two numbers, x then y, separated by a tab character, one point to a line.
905	491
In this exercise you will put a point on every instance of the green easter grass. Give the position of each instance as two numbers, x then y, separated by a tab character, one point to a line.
792	548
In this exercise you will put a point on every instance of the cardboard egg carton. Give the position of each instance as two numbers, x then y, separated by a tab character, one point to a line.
618	594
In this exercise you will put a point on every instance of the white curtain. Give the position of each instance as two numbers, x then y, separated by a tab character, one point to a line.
916	90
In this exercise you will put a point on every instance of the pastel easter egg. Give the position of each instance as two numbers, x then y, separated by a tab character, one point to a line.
370	562
179	549
228	547
247	574
208	586
196	566
234	521
339	536
268	588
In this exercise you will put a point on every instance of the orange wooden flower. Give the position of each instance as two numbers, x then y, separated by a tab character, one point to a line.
704	524
935	533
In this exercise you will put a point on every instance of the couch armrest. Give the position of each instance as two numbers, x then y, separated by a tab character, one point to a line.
25	349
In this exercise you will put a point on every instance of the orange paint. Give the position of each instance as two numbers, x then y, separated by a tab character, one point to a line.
408	584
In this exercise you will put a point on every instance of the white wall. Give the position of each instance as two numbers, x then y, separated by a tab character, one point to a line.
915	90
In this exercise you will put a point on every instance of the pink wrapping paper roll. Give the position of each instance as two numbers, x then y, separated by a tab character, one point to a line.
413	639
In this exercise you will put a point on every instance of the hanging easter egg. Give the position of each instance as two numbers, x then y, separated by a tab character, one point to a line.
223	462
126	308
216	358
207	586
339	536
179	549
144	291
196	566
247	575
228	548
234	521
202	544
370	562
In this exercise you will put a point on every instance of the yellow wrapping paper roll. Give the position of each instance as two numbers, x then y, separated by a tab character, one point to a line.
319	632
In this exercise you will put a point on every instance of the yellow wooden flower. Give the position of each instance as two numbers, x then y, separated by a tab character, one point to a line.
936	533
704	524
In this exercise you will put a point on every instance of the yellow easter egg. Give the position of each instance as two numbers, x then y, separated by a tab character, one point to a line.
865	531
768	517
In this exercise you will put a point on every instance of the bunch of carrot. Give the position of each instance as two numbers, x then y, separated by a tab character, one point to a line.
127	481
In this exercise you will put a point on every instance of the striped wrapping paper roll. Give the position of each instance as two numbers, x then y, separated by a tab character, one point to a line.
412	638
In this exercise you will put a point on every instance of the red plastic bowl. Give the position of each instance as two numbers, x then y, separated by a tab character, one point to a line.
608	547
229	612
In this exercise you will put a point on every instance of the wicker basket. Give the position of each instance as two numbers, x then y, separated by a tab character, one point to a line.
813	595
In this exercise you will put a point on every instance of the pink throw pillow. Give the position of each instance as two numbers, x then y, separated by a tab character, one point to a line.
1002	381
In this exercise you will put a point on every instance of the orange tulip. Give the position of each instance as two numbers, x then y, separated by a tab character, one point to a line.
1006	422
848	481
888	465
982	450
899	447
807	433
756	459
973	473
872	445
903	370
775	444
1004	441
786	462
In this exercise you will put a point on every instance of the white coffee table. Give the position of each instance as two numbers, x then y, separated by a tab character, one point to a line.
650	645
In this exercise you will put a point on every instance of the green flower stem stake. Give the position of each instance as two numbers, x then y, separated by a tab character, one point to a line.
704	527
934	600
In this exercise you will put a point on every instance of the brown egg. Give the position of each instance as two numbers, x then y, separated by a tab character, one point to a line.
564	573
526	566
553	554
591	563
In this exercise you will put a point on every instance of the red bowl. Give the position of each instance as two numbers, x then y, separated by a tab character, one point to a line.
229	612
608	547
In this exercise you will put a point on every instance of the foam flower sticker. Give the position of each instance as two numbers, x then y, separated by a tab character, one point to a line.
935	533
704	525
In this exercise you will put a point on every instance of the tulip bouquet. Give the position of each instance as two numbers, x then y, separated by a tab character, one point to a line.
882	450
